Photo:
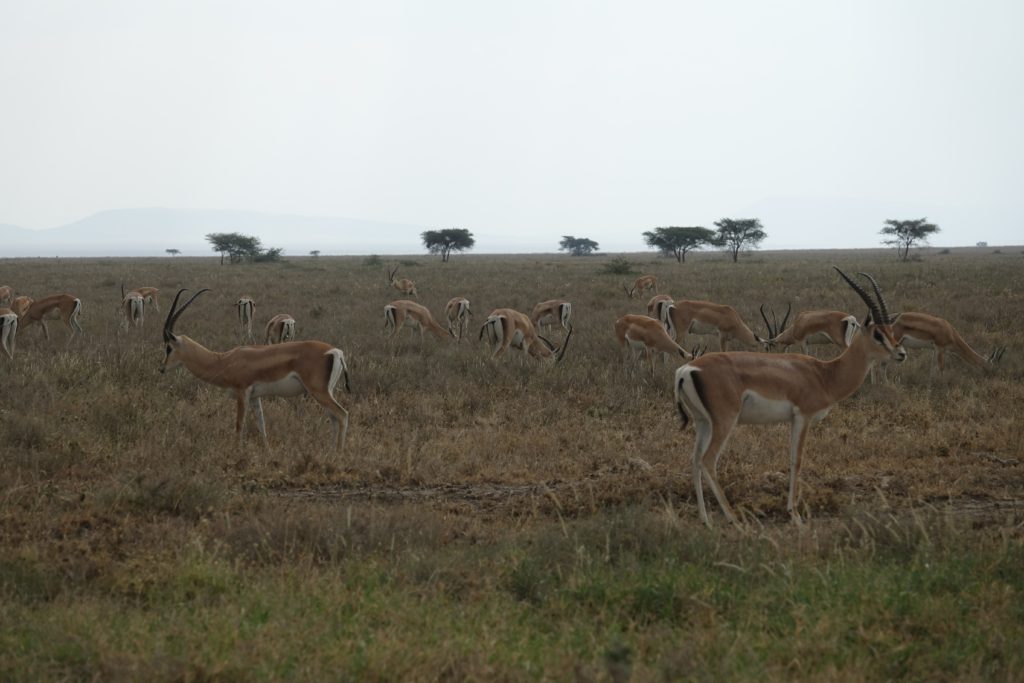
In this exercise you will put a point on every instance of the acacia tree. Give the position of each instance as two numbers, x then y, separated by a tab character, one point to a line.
904	234
577	246
173	252
444	242
239	247
735	234
677	241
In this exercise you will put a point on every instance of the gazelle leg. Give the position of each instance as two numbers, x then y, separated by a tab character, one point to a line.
700	445
46	332
940	356
242	401
339	416
256	405
797	434
720	431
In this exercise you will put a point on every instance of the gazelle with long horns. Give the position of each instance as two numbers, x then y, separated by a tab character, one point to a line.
63	306
402	284
643	334
411	314
458	314
252	372
507	327
704	317
280	329
719	390
923	331
812	328
132	308
640	285
246	313
8	331
554	310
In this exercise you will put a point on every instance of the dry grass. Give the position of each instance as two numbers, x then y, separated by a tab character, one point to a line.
491	490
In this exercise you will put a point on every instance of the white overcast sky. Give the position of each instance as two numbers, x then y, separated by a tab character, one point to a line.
543	118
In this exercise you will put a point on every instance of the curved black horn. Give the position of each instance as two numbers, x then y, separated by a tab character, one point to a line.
876	313
565	345
122	290
878	295
771	332
170	314
785	319
173	316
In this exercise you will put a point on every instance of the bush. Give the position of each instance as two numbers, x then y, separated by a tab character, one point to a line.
618	266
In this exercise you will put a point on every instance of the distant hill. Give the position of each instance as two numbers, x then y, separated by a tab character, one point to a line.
149	231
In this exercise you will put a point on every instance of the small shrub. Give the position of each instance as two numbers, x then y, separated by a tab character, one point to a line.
618	266
372	260
944	252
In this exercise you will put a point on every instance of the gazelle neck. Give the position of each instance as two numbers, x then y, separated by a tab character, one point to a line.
846	373
205	364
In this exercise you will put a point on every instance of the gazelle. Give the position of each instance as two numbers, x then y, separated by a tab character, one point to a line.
246	312
6	294
280	329
645	334
63	306
720	390
405	312
558	310
8	330
149	296
252	372
507	327
812	328
657	305
402	284
640	285
704	317
458	314
132	308
922	331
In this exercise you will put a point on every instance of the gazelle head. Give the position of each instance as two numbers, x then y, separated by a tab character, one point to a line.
629	290
172	342
21	304
391	275
773	326
549	351
877	326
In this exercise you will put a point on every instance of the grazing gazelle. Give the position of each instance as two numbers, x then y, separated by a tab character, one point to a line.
657	305
149	296
405	312
6	294
402	284
644	334
252	372
507	327
704	317
720	390
555	310
246	312
458	314
280	329
132	308
8	330
63	306
641	284
812	327
923	331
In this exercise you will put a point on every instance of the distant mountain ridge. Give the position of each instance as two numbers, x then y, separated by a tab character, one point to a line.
149	231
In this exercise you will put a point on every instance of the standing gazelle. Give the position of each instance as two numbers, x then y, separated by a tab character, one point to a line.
720	390
8	330
280	329
246	312
132	308
554	310
252	372
63	306
149	296
458	314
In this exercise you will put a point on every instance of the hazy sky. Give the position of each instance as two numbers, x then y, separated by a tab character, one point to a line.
599	119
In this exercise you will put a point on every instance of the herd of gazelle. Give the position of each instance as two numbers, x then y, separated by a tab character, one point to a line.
716	391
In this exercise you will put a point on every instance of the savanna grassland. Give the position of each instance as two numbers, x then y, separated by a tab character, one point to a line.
505	520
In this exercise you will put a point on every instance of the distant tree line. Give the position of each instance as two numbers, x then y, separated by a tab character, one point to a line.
241	248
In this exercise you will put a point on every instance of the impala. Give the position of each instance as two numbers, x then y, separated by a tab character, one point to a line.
657	305
246	312
558	310
132	308
8	330
252	372
458	314
812	327
6	294
703	317
63	306
720	390
506	327
922	331
414	315
280	329
403	284
644	334
642	283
